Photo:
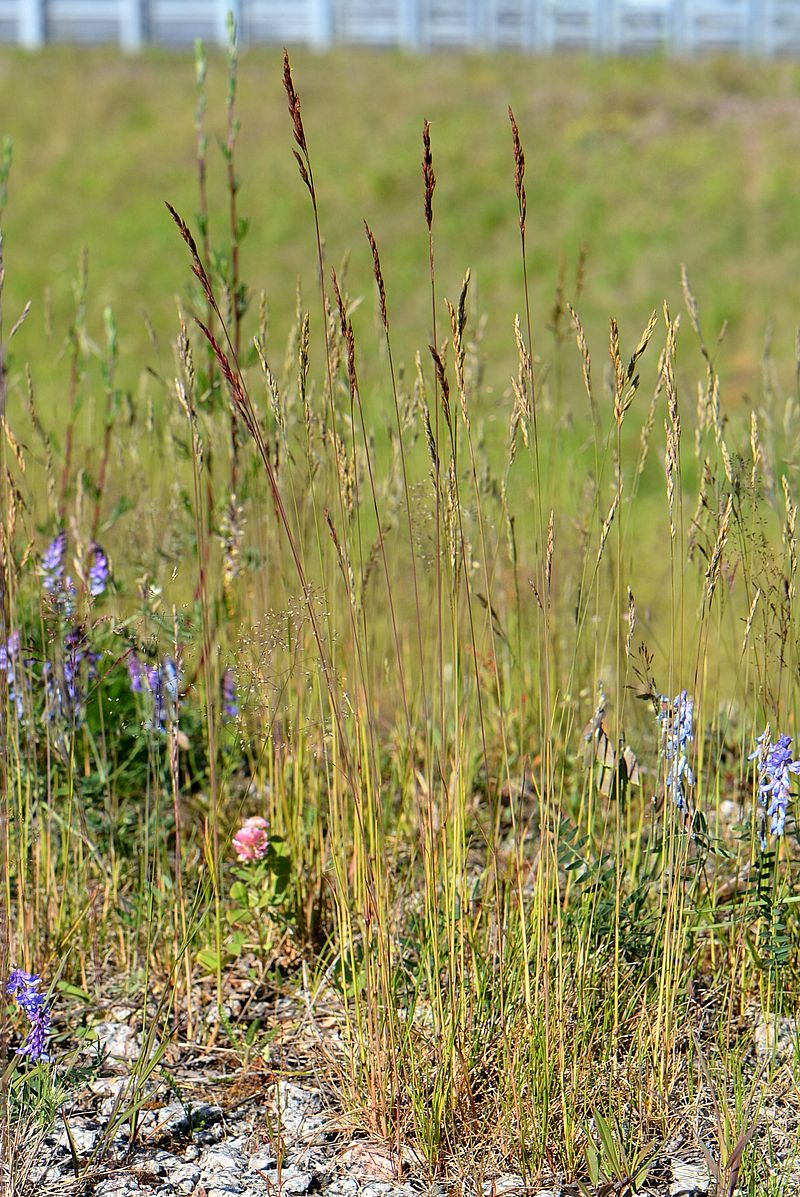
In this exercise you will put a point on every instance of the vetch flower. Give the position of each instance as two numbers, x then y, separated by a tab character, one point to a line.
66	682
774	766
163	682
24	988
676	719
135	672
9	652
36	1043
251	841
56	583
53	563
99	571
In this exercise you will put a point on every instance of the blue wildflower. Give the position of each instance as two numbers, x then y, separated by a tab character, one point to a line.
135	672
53	563
9	652
99	571
24	988
774	766
230	702
676	718
66	687
36	1043
163	682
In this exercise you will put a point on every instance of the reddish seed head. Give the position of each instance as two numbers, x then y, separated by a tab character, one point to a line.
427	172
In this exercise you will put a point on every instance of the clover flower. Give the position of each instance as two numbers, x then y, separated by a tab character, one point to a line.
676	719
774	766
230	702
251	841
99	571
24	988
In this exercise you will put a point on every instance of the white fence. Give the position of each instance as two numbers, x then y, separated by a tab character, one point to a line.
768	27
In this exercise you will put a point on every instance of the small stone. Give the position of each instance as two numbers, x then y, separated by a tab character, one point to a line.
157	1163
119	1186
300	1110
264	1160
689	1178
84	1134
223	1156
509	1182
177	1119
118	1040
185	1177
384	1188
296	1182
775	1036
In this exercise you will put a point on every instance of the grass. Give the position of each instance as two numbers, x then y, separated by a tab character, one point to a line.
473	628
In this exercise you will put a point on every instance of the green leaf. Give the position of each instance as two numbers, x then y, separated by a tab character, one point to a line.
208	959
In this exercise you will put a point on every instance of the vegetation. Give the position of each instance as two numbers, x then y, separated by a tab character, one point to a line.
440	702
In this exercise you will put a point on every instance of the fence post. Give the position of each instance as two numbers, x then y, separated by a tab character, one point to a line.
320	33
32	23
759	33
131	24
410	24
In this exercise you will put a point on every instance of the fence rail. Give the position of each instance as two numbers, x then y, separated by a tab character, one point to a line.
766	27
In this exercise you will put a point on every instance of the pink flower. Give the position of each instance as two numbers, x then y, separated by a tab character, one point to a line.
251	841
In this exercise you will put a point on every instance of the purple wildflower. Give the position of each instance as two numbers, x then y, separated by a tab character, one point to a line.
135	672
774	766
8	652
163	682
99	571
53	563
230	702
66	686
36	1043
24	988
677	734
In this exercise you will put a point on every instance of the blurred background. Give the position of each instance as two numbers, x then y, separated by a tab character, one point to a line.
657	132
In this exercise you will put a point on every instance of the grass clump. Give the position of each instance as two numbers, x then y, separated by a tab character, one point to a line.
447	713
